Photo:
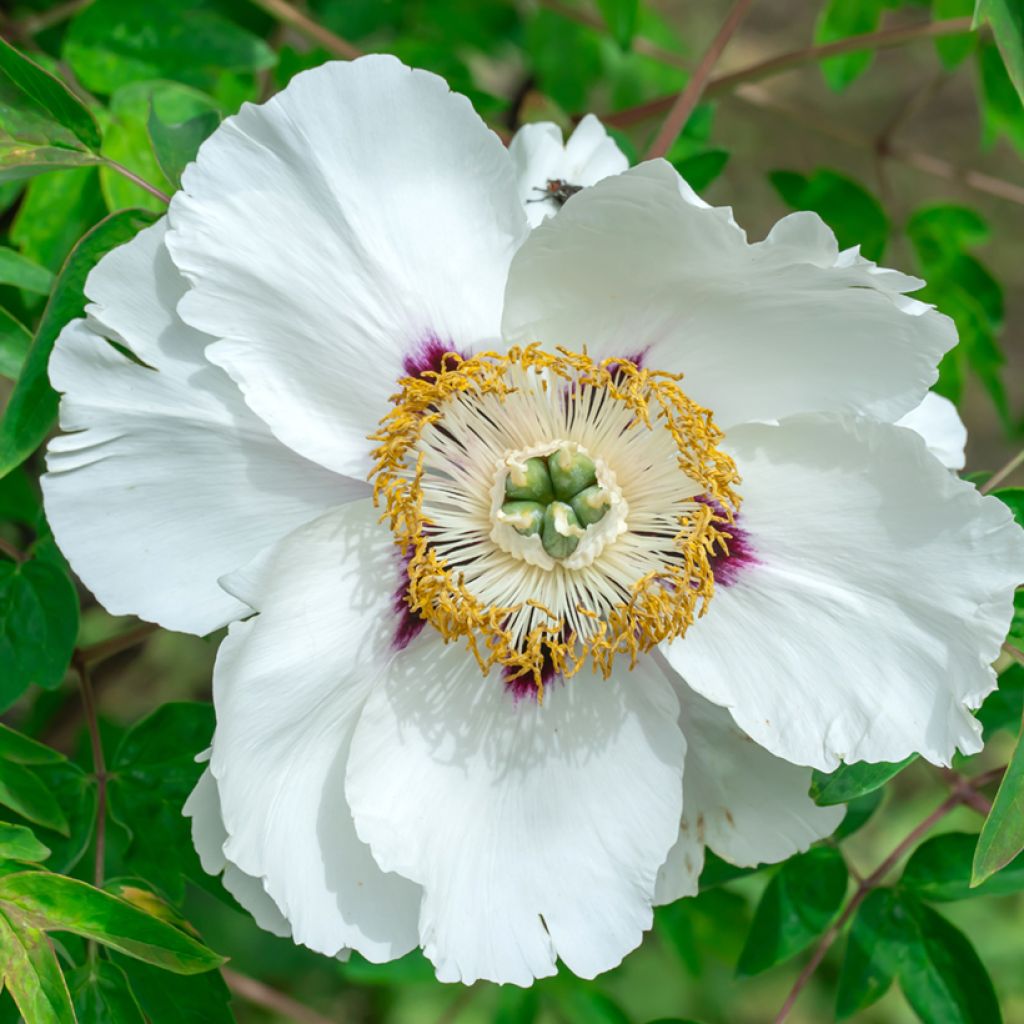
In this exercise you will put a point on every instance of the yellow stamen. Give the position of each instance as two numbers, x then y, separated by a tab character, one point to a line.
661	605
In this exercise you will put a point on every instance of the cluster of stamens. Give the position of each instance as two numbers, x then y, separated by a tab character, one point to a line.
553	511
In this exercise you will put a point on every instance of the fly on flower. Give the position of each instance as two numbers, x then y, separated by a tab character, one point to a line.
556	544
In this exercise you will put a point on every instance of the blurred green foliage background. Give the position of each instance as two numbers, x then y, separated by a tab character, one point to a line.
910	145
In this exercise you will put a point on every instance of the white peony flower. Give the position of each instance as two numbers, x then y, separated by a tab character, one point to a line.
625	449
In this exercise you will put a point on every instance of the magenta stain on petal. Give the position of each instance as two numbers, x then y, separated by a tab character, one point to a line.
524	687
728	566
428	356
409	623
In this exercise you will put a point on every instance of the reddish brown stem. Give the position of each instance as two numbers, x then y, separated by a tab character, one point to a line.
963	793
289	15
95	653
279	1004
684	104
99	766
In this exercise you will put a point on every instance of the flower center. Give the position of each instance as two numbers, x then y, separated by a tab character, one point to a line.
554	503
553	510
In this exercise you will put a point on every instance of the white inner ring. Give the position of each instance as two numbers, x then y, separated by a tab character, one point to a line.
596	537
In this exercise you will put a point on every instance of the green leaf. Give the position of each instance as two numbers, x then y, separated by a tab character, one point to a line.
839	20
700	169
965	290
29	968
859	812
22	792
110	44
19	272
516	1005
1001	106
154	770
18	843
56	211
894	935
14	746
1002	835
127	139
76	794
852	212
799	903
38	626
620	16
49	94
102	996
1007	20
32	138
852	780
940	870
178	999
549	37
33	405
15	341
175	145
584	1005
953	49
1004	708
1013	499
57	903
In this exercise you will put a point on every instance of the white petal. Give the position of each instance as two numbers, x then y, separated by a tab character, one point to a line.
634	266
747	805
938	422
166	480
208	837
540	156
535	831
289	685
874	591
356	222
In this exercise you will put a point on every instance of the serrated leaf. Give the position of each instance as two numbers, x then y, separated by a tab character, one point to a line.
57	903
33	405
849	781
1007	20
23	793
1002	835
29	968
20	272
853	213
111	43
15	341
894	935
620	16
49	94
18	843
154	770
101	995
839	20
799	903
38	626
940	870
